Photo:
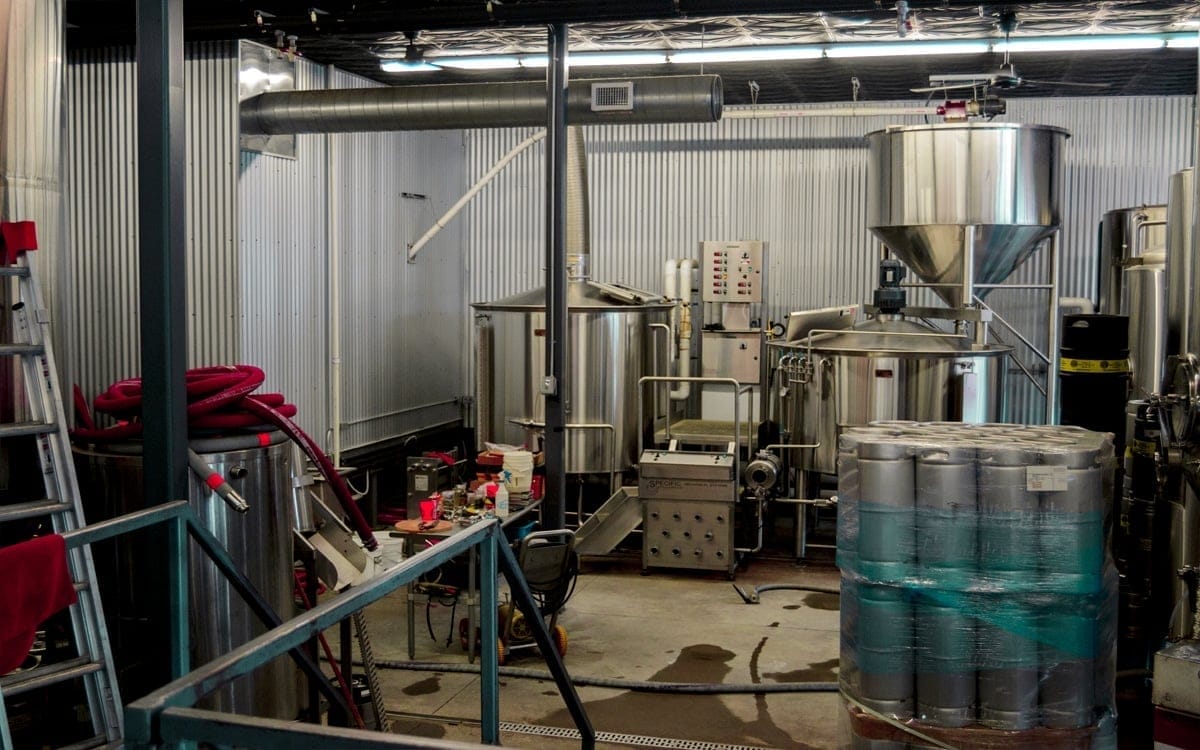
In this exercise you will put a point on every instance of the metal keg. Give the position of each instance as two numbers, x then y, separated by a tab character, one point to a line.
885	649
1094	371
1071	552
1007	649
886	533
946	558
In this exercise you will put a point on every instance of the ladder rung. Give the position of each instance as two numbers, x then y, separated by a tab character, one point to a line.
12	350
40	677
18	511
14	270
92	742
17	429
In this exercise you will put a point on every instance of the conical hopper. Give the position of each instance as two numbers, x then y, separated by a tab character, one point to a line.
933	188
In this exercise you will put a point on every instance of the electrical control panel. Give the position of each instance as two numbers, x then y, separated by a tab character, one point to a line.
732	271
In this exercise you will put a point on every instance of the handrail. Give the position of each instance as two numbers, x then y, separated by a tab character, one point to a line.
157	718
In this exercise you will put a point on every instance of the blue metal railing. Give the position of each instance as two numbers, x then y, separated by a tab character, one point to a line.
167	716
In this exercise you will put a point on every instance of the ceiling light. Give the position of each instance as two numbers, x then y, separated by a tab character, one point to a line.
405	66
1186	41
746	54
1085	43
478	62
908	49
618	59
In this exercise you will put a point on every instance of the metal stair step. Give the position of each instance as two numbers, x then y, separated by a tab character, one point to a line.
36	508
99	741
12	350
40	677
17	429
14	271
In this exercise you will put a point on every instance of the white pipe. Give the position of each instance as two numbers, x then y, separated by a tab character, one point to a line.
479	185
1083	303
767	114
335	297
671	292
684	389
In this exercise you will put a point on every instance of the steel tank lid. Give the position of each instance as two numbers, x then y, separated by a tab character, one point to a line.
583	295
968	126
896	337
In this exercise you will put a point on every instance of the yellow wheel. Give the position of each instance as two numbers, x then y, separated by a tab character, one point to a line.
520	630
501	652
559	635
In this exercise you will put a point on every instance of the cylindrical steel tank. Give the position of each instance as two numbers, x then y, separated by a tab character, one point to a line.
610	346
886	369
940	191
259	543
1125	234
1144	302
1181	339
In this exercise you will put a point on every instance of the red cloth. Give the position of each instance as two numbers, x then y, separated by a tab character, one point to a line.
16	237
35	582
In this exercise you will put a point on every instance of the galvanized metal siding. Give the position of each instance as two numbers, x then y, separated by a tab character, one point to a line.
101	340
401	359
800	184
282	226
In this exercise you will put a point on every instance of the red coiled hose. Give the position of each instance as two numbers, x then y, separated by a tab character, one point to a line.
220	398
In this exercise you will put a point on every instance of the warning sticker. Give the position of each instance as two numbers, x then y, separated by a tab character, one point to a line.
1046	478
1115	366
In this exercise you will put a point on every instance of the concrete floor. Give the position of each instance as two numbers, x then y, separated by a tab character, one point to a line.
667	626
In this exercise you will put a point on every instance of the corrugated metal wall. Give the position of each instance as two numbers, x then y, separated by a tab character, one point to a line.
800	184
257	251
401	359
101	341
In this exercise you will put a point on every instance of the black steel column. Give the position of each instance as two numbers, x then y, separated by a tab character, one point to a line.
161	227
555	504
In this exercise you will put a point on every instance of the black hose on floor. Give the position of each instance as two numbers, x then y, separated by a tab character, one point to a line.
641	686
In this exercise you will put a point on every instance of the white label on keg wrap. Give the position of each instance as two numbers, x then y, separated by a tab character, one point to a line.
1046	478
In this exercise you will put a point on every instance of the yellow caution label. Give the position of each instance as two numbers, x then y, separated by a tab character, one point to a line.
1143	447
1095	366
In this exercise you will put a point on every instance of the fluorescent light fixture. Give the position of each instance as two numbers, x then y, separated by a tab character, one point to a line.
616	59
1183	41
908	49
405	66
1085	43
746	54
478	62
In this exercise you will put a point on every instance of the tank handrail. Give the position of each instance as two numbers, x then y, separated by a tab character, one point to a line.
1009	326
808	340
738	390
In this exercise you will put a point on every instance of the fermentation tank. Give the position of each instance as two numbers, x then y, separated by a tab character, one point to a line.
1127	237
610	345
1182	300
259	542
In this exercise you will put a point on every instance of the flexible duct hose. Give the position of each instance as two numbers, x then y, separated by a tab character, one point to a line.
220	398
643	686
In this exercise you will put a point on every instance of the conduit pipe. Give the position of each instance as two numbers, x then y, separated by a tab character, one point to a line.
677	284
475	105
772	114
482	182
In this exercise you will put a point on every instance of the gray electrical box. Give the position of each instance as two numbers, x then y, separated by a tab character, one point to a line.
687	505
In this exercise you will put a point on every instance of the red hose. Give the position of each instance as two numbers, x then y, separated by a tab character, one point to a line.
220	398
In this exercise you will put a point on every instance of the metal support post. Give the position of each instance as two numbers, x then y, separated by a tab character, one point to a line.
162	158
489	666
1052	329
556	278
968	276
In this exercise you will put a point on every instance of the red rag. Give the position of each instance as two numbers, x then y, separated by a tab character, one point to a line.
35	582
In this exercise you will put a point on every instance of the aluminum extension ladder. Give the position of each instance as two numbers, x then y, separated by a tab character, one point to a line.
62	503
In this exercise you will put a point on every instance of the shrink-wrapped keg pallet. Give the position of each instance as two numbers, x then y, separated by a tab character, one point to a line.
979	599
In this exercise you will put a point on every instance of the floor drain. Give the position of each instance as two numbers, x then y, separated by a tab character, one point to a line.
634	740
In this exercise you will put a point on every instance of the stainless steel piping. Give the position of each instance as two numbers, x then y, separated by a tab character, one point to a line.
475	105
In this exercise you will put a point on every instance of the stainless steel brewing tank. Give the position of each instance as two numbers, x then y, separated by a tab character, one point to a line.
1127	233
1182	302
610	346
931	185
886	369
260	543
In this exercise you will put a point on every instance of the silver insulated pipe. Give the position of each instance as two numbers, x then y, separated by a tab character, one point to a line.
482	105
578	231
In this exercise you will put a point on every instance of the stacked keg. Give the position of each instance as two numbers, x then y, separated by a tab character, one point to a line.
978	596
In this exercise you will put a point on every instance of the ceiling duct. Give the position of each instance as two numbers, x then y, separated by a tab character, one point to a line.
475	105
